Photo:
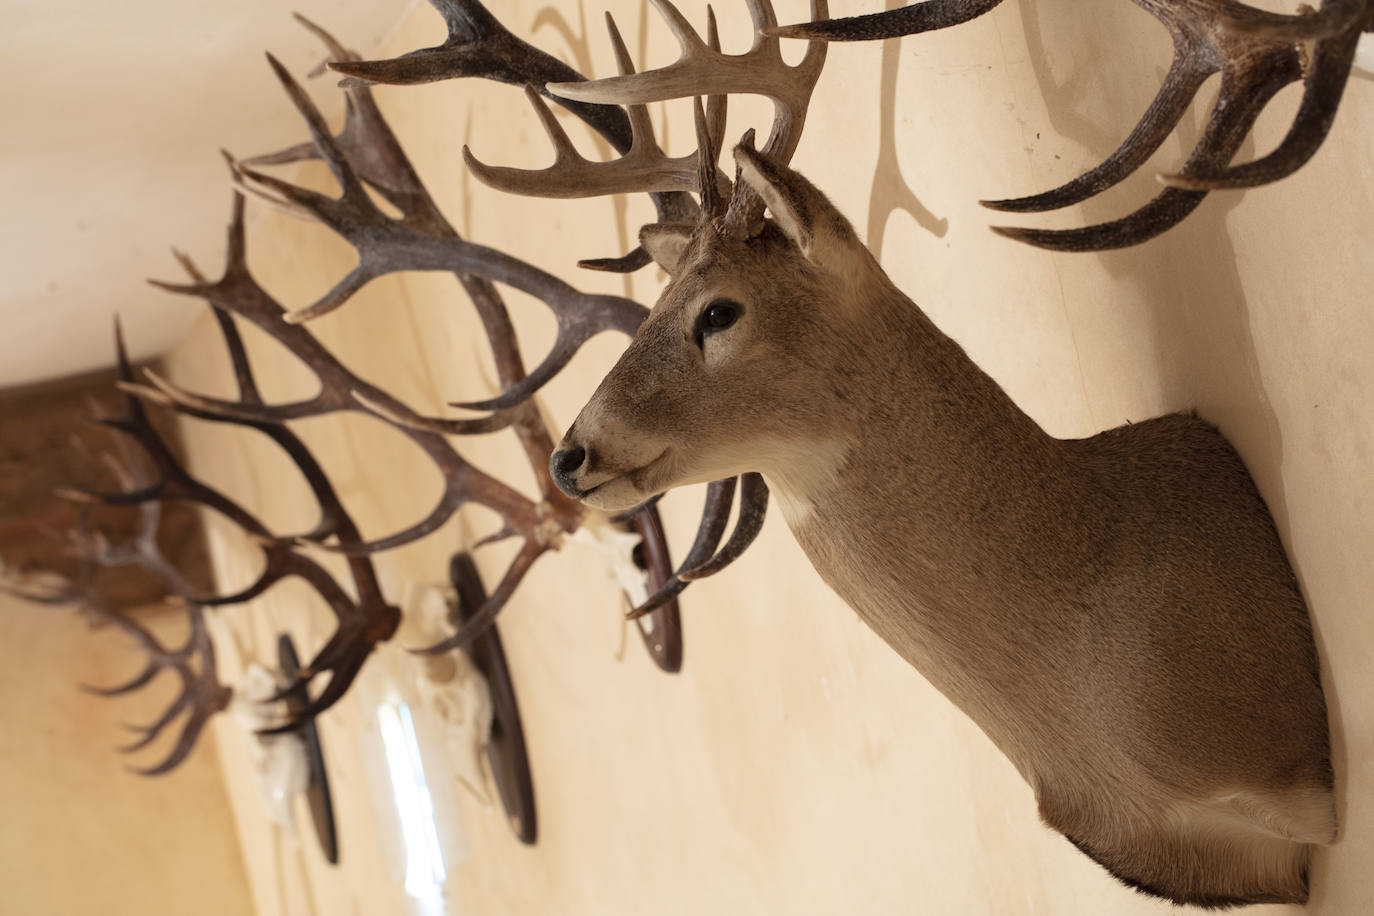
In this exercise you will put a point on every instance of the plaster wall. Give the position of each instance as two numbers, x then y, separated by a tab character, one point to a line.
797	765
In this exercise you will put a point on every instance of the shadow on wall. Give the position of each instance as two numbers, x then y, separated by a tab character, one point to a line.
890	192
1187	278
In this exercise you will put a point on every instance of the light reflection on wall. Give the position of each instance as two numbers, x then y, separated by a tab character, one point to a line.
424	870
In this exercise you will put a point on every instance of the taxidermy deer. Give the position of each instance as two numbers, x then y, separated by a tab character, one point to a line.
1116	613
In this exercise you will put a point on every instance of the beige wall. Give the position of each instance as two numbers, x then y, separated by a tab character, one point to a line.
80	836
797	765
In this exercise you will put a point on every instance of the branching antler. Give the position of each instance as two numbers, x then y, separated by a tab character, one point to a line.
367	151
702	70
420	240
201	695
362	621
1256	52
479	45
644	167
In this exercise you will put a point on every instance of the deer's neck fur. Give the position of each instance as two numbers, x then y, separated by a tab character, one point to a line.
931	504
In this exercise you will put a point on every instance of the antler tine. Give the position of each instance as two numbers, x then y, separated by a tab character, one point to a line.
909	20
1324	84
1186	75
644	167
715	515
319	133
1243	96
365	140
753	507
485	616
708	151
701	70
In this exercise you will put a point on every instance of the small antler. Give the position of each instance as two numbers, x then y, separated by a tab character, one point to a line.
703	560
201	695
927	16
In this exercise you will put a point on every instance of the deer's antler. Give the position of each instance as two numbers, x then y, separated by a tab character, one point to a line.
644	167
702	70
927	16
1256	55
367	150
479	45
1255	51
703	559
420	240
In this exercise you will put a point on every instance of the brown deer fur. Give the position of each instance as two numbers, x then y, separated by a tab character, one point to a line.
1116	612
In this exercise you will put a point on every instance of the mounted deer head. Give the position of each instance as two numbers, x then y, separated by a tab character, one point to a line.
1116	613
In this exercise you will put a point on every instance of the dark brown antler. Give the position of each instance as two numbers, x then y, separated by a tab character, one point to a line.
201	695
1255	51
419	241
1256	56
703	559
927	16
362	622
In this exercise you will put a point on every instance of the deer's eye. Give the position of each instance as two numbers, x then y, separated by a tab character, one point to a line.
717	316
720	315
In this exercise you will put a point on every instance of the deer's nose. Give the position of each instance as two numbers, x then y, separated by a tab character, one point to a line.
564	465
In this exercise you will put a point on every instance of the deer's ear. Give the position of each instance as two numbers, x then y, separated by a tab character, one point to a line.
800	210
666	243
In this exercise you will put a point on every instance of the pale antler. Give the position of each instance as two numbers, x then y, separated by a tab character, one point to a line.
479	45
369	147
702	69
643	167
1255	51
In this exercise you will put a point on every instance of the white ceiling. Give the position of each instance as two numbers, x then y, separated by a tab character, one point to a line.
113	115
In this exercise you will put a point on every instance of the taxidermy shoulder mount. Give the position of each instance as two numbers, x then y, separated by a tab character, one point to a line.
1116	613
